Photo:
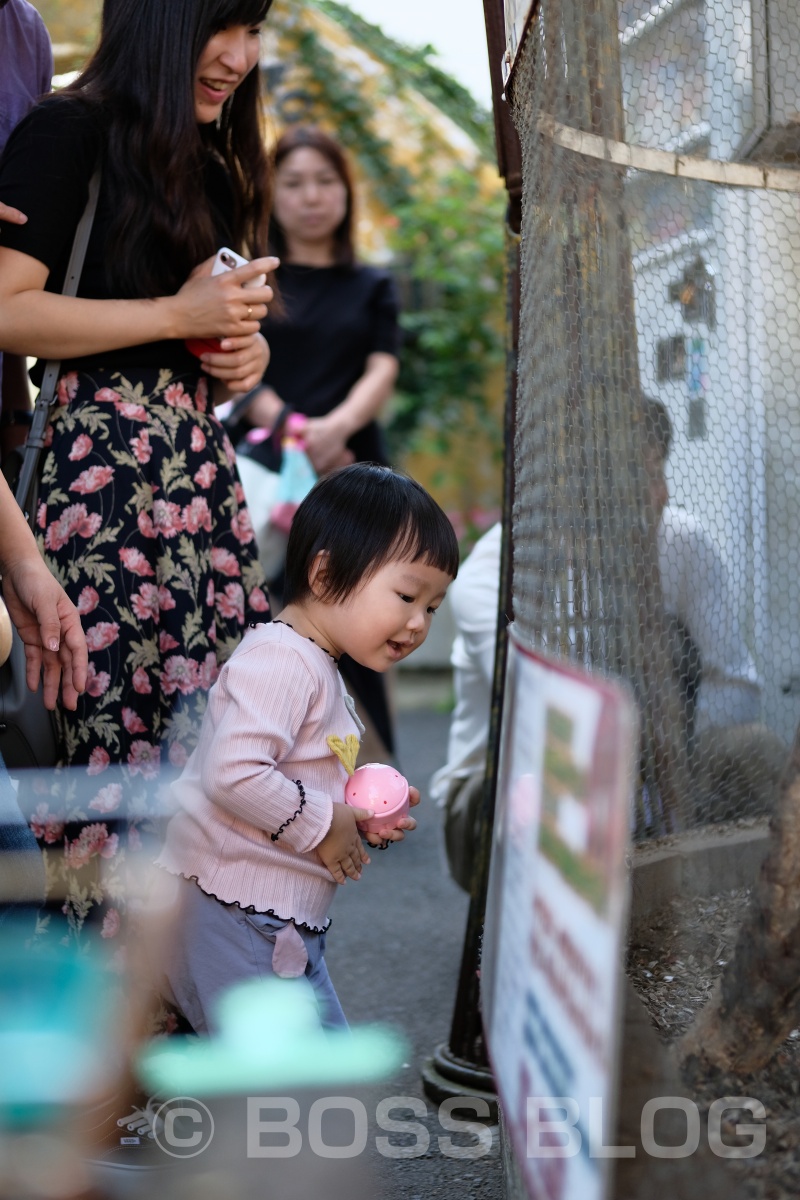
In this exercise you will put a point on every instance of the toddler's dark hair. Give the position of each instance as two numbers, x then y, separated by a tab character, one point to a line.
363	515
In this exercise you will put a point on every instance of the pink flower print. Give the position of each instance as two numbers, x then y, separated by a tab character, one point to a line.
136	562
177	755
98	761
111	924
108	799
201	395
230	453
211	592
212	633
97	682
206	475
101	635
45	826
142	450
166	600
177	397
145	603
179	675
197	515
242	526
81	447
198	440
225	562
41	516
238	492
207	671
231	602
48	437
67	387
258	601
73	520
141	683
134	412
87	601
134	838
110	846
92	840
106	396
144	759
146	527
166	642
132	721
92	480
167	518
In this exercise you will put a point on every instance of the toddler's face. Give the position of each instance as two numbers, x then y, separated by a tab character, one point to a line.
389	615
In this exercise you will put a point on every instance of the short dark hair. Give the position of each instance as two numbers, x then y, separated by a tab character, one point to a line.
309	137
657	426
363	515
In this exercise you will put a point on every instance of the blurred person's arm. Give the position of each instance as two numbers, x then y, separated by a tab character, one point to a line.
326	437
44	616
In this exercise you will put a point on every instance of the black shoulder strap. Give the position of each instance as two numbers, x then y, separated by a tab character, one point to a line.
47	392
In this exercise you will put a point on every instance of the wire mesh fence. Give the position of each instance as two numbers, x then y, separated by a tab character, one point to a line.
657	425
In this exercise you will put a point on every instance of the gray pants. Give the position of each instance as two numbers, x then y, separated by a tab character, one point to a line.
220	944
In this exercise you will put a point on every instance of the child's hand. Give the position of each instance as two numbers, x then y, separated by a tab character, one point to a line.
397	832
342	850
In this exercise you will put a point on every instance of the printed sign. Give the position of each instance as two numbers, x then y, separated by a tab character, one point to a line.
557	908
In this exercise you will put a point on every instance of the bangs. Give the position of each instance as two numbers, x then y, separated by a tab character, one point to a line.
236	12
428	538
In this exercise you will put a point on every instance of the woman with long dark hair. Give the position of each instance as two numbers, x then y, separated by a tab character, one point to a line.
141	514
335	343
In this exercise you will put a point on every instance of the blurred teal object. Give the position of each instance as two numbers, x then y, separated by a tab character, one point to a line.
56	1032
271	1038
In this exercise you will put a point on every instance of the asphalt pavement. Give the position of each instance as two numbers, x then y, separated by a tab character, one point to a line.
394	952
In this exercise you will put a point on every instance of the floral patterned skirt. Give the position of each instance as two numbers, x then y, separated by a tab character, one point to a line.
143	521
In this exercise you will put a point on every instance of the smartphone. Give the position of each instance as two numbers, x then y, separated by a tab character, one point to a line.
225	260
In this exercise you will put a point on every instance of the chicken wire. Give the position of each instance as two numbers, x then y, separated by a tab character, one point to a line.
641	284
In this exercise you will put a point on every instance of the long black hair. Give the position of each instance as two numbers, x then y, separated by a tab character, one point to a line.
140	81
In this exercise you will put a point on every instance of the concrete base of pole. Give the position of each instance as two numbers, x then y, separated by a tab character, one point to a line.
445	1076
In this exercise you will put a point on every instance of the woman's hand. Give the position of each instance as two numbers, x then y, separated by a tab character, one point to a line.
220	305
325	442
241	363
397	832
342	850
13	215
50	627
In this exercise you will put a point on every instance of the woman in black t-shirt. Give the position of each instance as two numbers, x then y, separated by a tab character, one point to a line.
141	512
334	346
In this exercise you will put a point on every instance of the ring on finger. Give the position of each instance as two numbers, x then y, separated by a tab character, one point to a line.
249	313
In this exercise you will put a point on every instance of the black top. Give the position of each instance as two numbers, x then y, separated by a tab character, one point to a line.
334	318
45	172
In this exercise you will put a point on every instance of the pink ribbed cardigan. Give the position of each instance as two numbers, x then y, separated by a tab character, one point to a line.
276	701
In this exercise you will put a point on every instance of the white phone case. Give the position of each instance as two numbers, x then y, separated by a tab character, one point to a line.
227	260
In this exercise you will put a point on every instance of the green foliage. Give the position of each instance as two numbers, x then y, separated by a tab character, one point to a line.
411	67
449	237
333	92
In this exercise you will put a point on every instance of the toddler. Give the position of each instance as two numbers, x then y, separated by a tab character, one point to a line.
262	836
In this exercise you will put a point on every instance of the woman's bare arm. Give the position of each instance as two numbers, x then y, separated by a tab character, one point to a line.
326	437
48	325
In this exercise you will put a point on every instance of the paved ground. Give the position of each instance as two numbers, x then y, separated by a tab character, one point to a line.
394	952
